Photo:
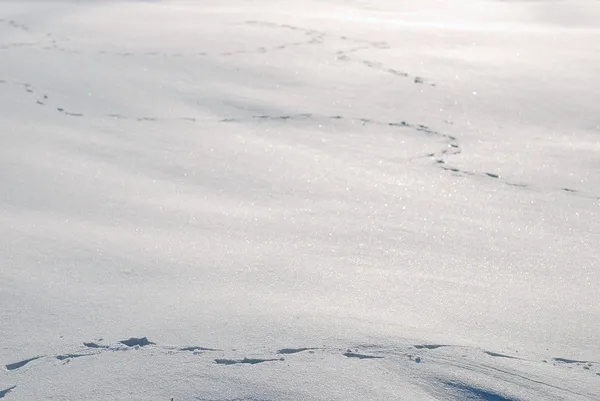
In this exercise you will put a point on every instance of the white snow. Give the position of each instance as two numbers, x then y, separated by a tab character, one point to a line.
315	193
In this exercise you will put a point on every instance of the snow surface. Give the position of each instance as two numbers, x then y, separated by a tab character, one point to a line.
301	200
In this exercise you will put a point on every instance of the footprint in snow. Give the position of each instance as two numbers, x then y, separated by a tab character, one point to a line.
249	361
6	391
20	364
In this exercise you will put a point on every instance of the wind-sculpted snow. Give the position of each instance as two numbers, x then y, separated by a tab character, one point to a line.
317	200
442	372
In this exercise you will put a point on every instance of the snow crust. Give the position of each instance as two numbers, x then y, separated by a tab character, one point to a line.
308	200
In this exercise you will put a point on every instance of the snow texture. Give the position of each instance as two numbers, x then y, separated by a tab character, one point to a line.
309	200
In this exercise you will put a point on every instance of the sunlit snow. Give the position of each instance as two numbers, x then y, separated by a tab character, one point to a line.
301	200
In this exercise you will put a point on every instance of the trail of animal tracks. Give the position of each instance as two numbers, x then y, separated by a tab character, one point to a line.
316	200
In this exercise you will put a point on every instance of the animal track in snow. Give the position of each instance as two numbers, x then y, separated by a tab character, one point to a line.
44	39
586	365
565	360
4	392
312	39
344	54
489	353
350	54
464	360
20	364
95	345
497	355
294	350
248	361
92	347
194	349
70	356
14	24
28	88
430	346
139	342
232	399
440	158
67	113
466	173
350	354
452	147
